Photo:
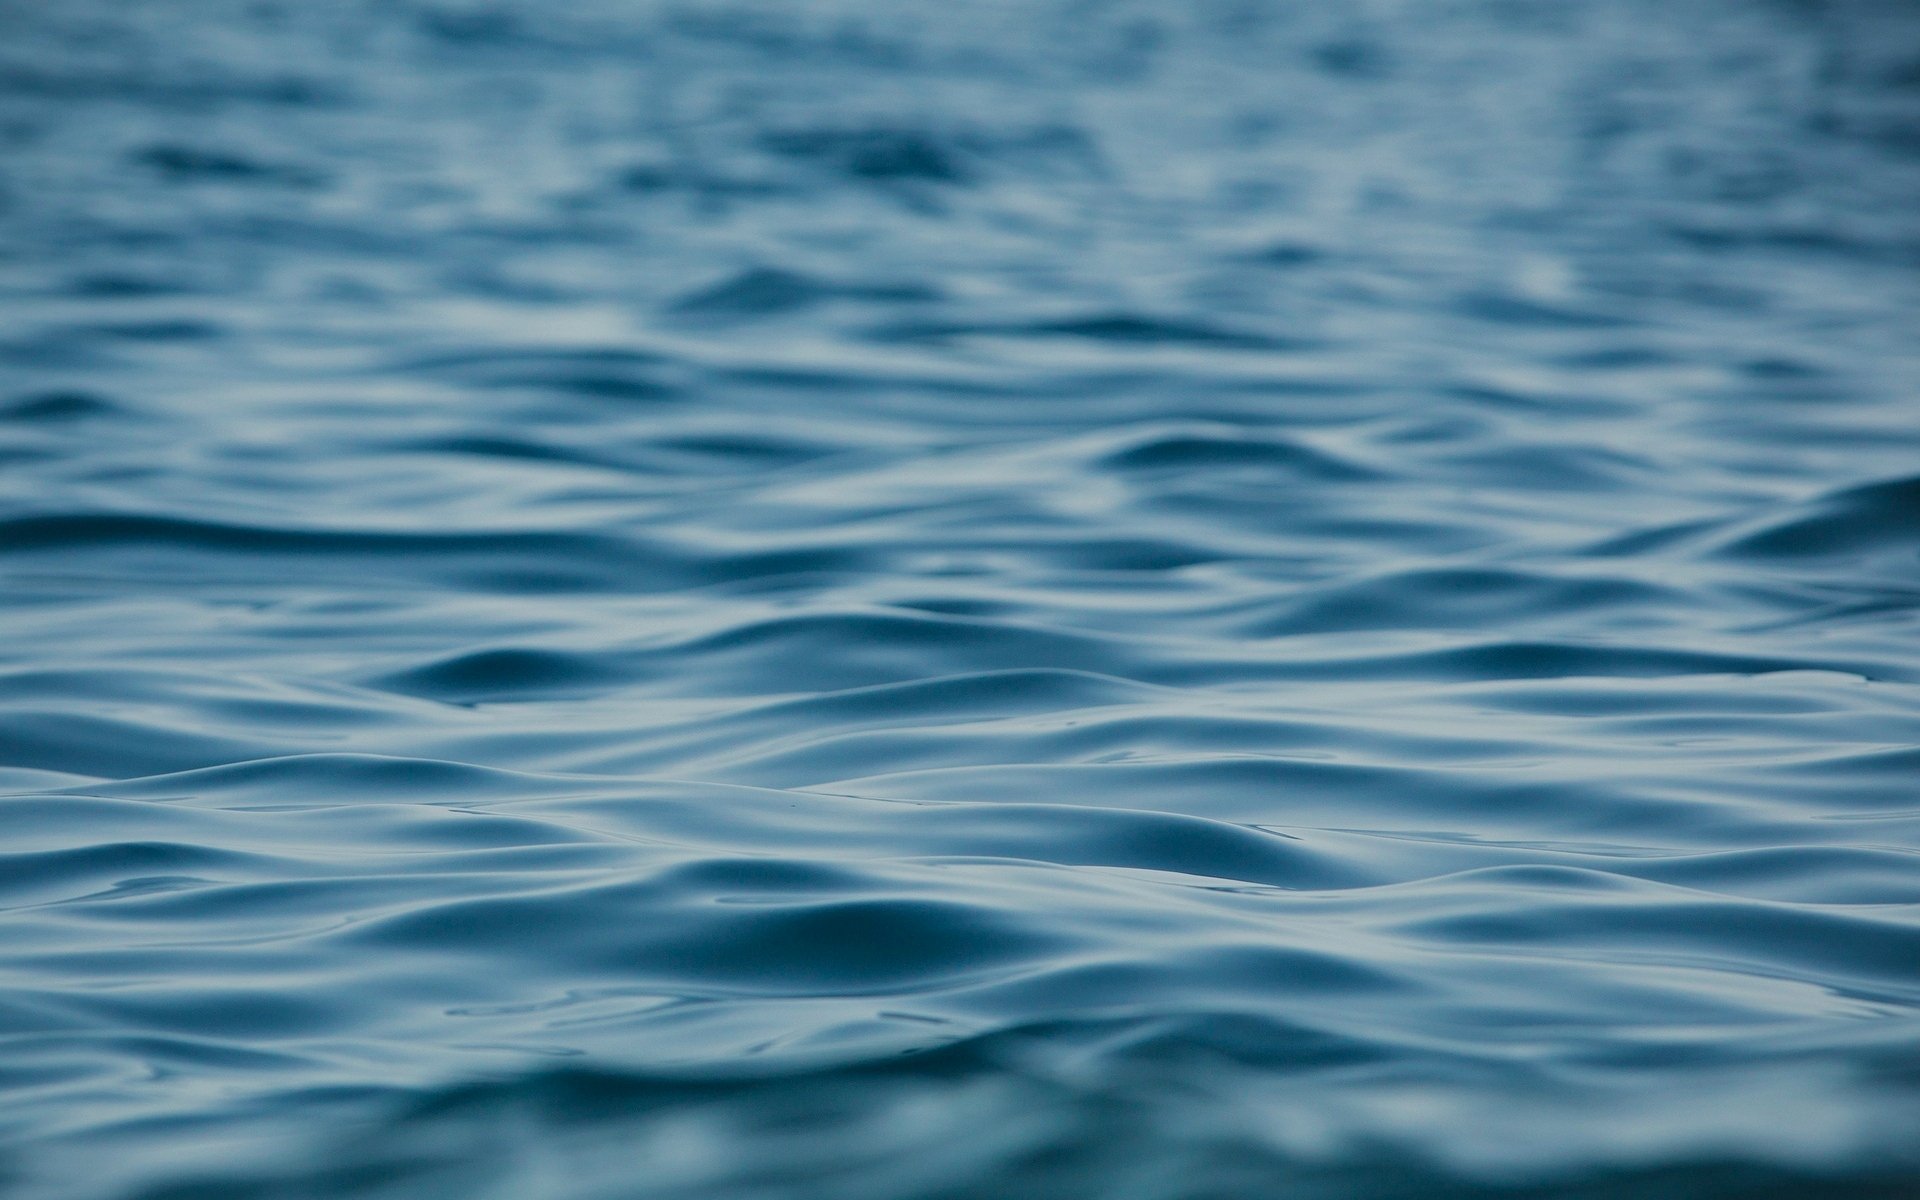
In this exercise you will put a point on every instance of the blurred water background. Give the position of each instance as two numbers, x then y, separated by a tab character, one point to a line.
879	600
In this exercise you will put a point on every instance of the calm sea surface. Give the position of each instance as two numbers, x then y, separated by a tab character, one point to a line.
893	600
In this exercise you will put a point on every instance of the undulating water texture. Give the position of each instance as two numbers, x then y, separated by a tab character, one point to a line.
919	600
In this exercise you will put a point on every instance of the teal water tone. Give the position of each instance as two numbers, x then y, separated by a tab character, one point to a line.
913	601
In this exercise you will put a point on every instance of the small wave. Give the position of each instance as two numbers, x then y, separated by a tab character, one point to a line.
1874	521
59	407
1116	328
766	291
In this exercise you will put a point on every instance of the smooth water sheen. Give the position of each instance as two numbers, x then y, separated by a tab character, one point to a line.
885	599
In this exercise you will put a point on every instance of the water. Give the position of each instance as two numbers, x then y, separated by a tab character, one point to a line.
869	600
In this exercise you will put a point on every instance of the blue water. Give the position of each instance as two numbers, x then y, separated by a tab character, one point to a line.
882	599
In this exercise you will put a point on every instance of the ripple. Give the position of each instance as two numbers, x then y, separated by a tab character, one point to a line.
1867	522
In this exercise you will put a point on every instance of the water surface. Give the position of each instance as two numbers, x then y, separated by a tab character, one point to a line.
1161	601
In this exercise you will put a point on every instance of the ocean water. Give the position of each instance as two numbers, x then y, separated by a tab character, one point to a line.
892	600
